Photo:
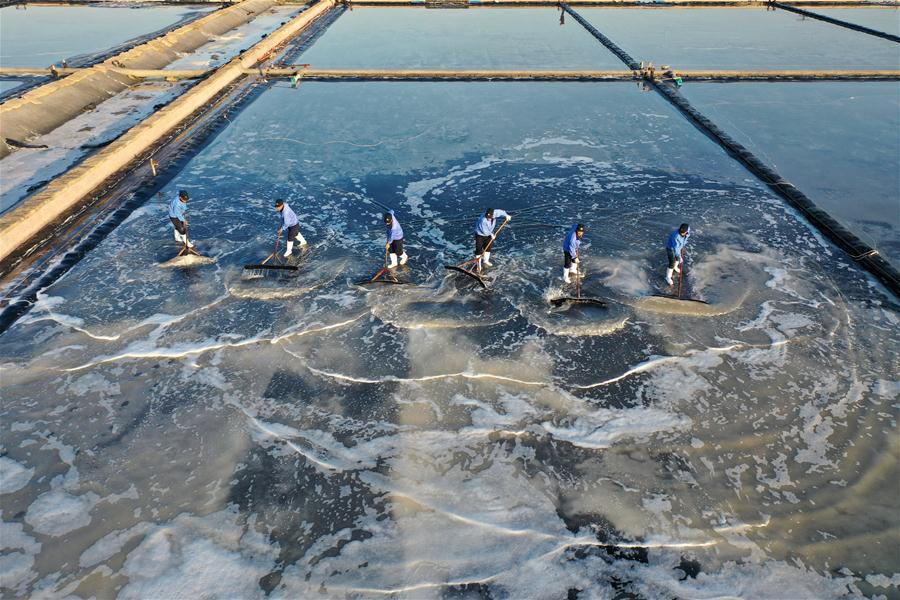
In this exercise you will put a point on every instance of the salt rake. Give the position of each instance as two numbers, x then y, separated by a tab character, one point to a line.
263	269
461	267
185	249
385	275
680	286
557	302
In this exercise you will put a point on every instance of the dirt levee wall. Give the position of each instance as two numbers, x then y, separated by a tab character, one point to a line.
43	109
68	191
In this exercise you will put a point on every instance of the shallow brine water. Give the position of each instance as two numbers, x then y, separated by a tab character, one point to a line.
173	431
39	36
839	142
483	38
879	19
739	38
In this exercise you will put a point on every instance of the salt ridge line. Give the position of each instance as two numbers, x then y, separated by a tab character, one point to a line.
271	433
358	463
395	379
647	365
567	542
175	353
454	516
161	320
491	578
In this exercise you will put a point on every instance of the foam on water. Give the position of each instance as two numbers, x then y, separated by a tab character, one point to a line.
13	476
177	432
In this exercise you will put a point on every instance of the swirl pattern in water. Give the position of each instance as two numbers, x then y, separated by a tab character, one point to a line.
178	431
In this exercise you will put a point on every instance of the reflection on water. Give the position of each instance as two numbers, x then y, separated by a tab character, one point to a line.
837	142
165	431
740	38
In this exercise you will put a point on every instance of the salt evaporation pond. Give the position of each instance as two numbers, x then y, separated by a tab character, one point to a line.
486	38
178	432
38	36
879	19
836	141
739	38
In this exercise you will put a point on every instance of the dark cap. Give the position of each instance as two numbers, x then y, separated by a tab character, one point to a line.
388	218
183	194
279	202
489	213
579	227
684	228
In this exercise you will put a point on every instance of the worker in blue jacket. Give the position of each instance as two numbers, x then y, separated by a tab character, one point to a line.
291	225
570	251
484	234
675	250
394	244
178	216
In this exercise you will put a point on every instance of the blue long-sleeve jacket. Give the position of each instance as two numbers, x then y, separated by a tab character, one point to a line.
395	232
572	242
485	226
177	209
288	217
677	242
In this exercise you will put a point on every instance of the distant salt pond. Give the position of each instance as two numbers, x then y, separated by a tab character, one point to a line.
38	36
483	38
741	38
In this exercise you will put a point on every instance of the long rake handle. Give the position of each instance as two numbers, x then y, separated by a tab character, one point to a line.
578	276
487	248
275	252
681	274
491	243
384	268
187	249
